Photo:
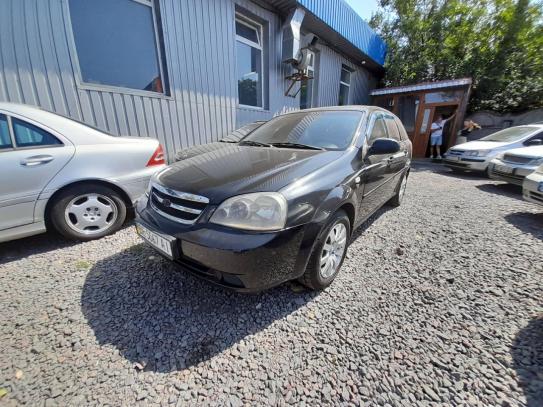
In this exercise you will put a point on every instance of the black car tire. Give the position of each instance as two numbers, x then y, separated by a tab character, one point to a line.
312	277
57	212
396	200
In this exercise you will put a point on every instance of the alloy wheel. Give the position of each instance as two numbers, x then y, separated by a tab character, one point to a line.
91	213
333	250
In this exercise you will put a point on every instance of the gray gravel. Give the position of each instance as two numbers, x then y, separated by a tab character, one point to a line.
440	302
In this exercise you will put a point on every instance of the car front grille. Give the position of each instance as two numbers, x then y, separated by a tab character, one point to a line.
177	206
507	175
537	196
456	152
516	159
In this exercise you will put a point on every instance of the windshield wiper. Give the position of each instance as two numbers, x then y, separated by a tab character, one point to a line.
253	143
296	145
227	141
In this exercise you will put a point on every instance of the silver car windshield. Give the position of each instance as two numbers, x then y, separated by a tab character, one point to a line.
509	135
330	130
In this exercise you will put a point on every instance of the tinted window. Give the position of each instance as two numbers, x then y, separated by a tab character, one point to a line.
511	134
28	135
332	130
116	43
5	140
378	130
392	129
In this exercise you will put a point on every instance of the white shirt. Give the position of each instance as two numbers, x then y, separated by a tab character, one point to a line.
437	128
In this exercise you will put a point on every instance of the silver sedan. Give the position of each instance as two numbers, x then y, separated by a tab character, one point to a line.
60	173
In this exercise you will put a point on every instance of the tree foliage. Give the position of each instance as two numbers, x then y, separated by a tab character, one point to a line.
498	43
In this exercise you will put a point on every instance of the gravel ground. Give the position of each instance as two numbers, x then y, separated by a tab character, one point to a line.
440	302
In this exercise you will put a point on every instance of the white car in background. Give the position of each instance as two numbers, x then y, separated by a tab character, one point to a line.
60	173
476	155
515	165
532	187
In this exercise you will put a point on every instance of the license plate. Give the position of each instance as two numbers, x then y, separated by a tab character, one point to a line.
503	168
453	158
161	243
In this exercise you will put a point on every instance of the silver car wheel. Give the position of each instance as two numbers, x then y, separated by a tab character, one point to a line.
333	250
91	214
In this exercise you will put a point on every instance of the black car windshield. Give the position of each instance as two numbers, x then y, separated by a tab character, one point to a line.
330	130
509	135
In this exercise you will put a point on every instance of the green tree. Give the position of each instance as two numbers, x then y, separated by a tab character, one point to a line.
498	43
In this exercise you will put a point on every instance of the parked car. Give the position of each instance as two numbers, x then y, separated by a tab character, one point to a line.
514	165
59	173
231	138
283	202
476	155
532	187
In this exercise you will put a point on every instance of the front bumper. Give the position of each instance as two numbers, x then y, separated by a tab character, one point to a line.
239	260
513	174
532	188
465	163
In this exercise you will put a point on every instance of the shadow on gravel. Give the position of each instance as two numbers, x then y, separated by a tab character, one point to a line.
527	353
528	223
20	248
165	319
509	190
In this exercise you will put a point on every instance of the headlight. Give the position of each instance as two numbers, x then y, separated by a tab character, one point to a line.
259	211
478	153
537	161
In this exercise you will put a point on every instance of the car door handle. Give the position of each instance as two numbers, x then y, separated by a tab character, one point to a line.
36	160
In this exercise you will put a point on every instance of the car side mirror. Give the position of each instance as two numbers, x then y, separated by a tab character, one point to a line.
534	142
384	146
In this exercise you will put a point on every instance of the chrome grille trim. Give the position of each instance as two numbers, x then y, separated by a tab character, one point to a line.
181	195
179	207
170	217
456	152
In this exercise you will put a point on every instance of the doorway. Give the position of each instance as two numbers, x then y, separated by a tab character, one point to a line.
447	137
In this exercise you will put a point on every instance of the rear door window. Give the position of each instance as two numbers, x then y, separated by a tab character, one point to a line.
28	135
5	139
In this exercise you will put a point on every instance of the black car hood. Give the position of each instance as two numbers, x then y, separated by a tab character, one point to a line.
236	170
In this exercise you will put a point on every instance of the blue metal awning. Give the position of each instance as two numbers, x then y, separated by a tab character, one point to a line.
338	15
340	26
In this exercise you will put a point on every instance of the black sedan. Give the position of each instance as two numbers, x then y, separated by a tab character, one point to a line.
282	203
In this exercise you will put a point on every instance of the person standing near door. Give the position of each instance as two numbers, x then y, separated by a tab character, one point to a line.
436	135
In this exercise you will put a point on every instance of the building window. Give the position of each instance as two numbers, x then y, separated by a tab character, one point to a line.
307	85
344	86
118	43
249	54
408	108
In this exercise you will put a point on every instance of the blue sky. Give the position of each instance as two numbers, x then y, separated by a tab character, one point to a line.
364	7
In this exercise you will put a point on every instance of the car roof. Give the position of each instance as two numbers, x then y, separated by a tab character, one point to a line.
75	131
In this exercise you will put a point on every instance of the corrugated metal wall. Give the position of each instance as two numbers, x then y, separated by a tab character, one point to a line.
36	68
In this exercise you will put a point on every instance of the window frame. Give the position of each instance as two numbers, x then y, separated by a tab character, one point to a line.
162	65
342	83
311	82
249	22
10	134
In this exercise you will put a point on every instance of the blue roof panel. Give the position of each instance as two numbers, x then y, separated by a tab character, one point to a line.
344	20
